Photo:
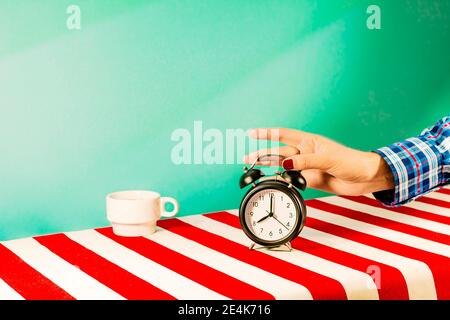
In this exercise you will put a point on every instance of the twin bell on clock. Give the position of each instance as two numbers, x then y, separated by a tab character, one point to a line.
272	212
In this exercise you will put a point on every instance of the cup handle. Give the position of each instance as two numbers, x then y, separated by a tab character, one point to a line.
171	200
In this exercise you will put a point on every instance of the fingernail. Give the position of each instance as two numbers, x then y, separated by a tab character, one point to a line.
288	164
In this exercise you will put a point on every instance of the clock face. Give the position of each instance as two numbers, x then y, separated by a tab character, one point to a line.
270	215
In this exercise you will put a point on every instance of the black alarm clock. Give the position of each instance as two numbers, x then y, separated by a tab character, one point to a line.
272	212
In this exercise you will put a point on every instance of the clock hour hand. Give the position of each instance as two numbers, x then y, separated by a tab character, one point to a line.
264	218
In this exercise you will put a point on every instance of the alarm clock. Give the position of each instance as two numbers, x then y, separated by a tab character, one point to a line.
272	212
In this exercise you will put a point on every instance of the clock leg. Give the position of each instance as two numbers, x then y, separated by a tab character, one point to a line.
289	246
284	247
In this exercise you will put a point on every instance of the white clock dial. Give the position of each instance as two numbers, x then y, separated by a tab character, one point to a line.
271	215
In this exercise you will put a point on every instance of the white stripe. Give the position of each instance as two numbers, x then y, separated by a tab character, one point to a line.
418	276
386	214
279	287
431	208
439	196
8	293
71	279
381	232
161	277
357	285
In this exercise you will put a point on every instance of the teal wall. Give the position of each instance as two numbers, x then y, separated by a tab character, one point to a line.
86	112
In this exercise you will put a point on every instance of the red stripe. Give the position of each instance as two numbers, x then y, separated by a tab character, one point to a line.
444	191
438	264
26	280
111	275
440	131
405	210
190	268
315	282
392	284
381	222
436	202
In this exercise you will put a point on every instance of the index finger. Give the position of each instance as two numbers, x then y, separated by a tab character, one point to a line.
284	135
285	151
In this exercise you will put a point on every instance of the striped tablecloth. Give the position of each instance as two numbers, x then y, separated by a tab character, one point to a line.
351	248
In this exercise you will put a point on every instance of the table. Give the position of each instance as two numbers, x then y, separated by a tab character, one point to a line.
351	248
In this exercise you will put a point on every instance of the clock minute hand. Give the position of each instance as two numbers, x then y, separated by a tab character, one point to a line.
271	204
280	222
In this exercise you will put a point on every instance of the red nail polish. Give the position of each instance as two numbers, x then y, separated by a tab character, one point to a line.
288	164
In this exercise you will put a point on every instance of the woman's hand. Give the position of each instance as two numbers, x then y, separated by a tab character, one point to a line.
325	164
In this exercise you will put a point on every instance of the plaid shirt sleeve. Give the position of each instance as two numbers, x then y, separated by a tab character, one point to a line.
419	164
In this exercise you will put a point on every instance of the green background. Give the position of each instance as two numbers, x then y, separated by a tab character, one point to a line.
86	112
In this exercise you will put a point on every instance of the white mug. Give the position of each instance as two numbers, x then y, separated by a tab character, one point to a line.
134	213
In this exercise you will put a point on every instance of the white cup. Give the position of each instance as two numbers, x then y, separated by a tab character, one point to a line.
134	213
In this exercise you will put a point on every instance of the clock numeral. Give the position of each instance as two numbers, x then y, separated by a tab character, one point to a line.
255	204
270	233
254	223
282	199
288	224
280	231
288	205
261	230
291	214
261	197
272	194
251	213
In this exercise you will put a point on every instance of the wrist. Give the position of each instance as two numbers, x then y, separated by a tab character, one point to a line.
380	175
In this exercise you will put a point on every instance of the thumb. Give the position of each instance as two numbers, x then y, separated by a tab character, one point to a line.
307	161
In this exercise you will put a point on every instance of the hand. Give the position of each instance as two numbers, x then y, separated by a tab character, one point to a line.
265	217
325	164
271	203
273	216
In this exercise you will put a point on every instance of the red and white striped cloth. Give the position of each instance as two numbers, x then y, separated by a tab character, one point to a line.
351	248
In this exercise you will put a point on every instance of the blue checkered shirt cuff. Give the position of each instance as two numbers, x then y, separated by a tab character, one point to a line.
419	164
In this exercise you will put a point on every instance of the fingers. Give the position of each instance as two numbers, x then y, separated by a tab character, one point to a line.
286	151
287	136
308	161
316	179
